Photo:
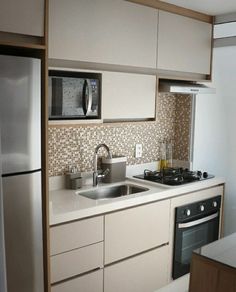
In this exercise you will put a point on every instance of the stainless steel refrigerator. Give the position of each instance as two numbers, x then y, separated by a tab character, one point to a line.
21	243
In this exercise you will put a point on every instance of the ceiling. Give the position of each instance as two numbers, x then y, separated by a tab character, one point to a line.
211	7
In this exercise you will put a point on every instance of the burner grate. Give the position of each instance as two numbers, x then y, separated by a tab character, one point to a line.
174	176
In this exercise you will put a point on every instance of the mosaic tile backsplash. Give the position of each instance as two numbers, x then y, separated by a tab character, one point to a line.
74	145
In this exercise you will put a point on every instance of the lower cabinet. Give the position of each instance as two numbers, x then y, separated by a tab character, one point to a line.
135	230
92	282
75	262
146	272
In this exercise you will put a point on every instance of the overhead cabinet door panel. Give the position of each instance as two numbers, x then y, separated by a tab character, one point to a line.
24	17
184	44
103	31
128	96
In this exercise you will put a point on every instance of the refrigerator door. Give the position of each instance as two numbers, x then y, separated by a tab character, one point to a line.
23	232
20	113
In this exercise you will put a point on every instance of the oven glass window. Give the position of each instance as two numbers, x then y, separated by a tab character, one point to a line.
195	237
189	239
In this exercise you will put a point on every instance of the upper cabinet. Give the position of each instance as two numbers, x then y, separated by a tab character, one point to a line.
22	17
184	44
103	31
128	96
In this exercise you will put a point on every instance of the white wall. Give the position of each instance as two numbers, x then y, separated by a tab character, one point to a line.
215	124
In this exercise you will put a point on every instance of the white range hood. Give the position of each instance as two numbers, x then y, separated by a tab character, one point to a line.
184	87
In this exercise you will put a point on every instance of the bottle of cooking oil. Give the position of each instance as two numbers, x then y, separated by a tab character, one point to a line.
169	154
163	158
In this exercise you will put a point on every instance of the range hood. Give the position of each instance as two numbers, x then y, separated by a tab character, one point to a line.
184	87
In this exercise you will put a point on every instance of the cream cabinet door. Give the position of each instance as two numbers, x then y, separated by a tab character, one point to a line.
72	263
23	17
184	44
92	282
128	96
103	31
77	234
143	273
135	230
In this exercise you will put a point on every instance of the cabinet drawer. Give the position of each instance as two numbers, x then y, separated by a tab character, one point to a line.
92	282
146	272
77	234
77	261
135	230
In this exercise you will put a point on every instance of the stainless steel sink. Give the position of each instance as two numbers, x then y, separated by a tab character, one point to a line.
104	193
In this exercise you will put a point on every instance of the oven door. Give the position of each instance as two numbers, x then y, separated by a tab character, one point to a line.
190	236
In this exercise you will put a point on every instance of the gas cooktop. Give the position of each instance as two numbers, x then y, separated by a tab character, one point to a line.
174	176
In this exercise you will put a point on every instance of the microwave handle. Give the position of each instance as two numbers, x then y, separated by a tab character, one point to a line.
87	99
197	222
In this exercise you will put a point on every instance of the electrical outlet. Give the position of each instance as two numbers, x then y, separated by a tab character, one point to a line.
138	150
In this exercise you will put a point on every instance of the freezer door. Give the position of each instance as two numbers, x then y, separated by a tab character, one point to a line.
23	232
20	113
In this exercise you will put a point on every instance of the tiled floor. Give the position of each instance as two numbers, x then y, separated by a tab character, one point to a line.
179	285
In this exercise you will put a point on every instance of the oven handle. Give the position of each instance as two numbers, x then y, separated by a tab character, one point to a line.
197	222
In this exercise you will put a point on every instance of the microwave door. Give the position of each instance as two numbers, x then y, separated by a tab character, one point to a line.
87	97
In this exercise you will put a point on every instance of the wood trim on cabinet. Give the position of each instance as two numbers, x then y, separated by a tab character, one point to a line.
23	41
84	123
175	9
209	77
222	213
45	174
45	183
46	20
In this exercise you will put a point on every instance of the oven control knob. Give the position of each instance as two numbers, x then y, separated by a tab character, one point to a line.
201	208
187	212
214	204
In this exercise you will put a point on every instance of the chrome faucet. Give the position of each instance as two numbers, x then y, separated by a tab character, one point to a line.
96	176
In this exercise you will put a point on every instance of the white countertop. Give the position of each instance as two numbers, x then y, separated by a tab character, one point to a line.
67	205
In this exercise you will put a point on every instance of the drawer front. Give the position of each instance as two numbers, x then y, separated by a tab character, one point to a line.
143	273
76	234
135	230
75	262
92	282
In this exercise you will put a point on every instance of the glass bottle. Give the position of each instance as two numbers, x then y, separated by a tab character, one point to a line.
163	158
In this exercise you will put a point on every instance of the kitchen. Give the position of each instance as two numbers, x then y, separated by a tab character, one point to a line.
125	75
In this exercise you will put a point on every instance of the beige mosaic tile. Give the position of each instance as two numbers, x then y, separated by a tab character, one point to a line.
74	145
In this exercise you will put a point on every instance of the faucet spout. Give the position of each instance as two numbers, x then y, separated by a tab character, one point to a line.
96	176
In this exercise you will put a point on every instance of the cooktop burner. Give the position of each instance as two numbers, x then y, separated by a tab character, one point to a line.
174	176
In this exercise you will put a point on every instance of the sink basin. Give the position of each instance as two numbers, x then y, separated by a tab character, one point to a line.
113	192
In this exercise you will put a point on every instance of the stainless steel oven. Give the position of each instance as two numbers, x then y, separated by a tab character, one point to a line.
196	225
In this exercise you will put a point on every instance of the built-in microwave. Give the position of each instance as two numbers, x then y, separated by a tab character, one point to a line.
74	95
